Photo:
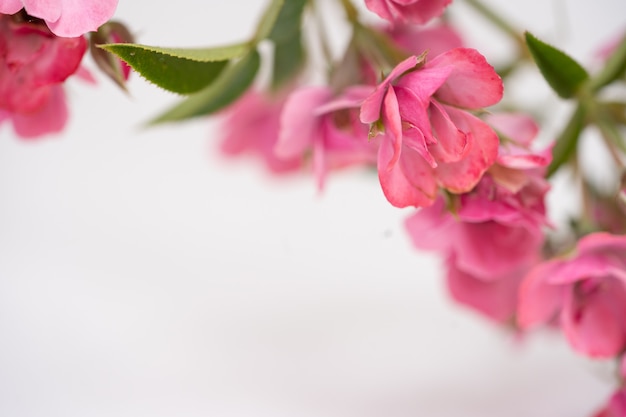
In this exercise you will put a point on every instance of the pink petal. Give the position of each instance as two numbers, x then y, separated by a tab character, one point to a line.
351	97
50	118
452	144
393	127
595	324
10	6
432	228
48	10
320	167
602	241
421	11
408	182
371	108
520	158
298	125
79	16
587	266
496	299
488	250
426	81
517	126
539	301
463	175
472	84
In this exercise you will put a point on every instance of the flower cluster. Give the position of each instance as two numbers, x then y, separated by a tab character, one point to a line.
42	44
407	99
475	177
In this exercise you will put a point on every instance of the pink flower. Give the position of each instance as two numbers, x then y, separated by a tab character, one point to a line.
67	18
33	65
413	11
429	139
495	234
586	291
316	121
616	406
251	125
492	240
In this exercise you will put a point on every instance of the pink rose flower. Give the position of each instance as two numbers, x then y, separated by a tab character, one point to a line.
616	406
586	291
33	65
316	121
429	139
251	125
495	234
67	18
413	11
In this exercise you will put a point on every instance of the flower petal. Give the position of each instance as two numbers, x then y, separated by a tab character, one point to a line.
408	182
539	301
49	118
371	108
463	175
595	324
472	84
298	126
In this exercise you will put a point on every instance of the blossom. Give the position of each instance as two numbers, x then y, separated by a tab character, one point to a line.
414	11
67	18
429	139
495	234
33	65
586	291
315	120
251	125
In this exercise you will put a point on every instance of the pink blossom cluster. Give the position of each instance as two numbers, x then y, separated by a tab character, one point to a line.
476	179
42	44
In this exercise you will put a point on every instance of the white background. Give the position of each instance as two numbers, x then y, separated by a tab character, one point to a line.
143	275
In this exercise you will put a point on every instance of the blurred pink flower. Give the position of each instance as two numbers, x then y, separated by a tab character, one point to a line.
67	18
33	65
586	291
430	140
616	406
314	120
413	11
251	125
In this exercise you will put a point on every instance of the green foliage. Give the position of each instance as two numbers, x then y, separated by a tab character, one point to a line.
562	72
287	37
183	71
232	82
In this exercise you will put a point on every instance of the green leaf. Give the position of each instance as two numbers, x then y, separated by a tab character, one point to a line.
567	142
266	25
562	72
182	71
231	83
288	22
288	60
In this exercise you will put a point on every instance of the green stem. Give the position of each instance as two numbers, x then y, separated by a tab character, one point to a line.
351	12
567	141
614	67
